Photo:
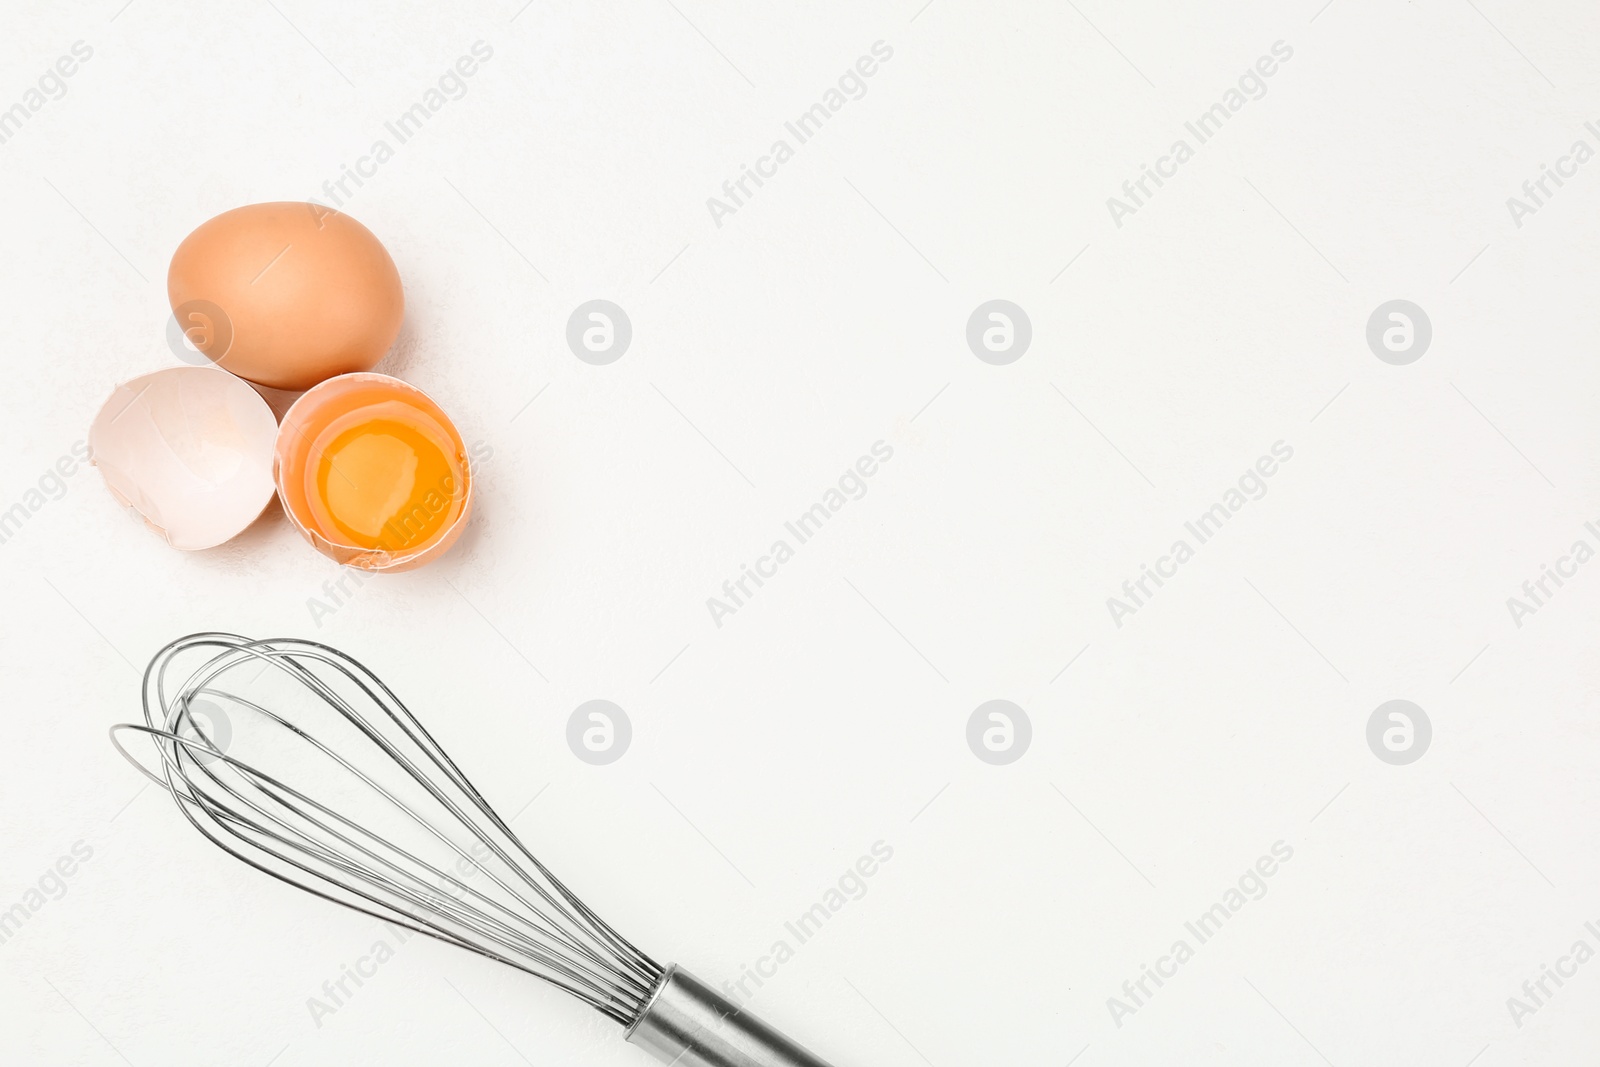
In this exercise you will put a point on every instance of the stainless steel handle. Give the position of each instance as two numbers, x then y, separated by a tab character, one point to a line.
688	1023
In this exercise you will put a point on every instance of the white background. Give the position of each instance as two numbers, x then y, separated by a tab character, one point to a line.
828	313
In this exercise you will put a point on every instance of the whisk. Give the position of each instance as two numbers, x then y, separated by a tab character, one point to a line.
298	760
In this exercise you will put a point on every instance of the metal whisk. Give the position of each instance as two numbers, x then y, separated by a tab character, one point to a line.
298	760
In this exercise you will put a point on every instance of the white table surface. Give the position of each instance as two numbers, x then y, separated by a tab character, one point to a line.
828	312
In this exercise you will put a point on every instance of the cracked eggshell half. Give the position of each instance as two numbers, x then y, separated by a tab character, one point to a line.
190	450
373	473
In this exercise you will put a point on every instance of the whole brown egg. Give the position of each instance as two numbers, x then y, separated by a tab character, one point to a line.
286	294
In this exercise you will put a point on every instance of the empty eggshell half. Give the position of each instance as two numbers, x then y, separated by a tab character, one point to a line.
189	449
373	473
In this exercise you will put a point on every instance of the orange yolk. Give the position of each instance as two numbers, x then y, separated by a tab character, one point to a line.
386	484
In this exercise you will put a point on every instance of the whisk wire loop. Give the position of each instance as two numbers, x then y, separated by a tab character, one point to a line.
255	794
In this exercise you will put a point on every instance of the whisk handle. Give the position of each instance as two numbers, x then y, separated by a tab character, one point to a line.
688	1023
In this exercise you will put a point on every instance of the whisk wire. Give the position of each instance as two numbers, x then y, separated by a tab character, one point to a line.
534	922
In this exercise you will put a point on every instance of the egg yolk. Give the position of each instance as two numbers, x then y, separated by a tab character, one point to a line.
386	485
